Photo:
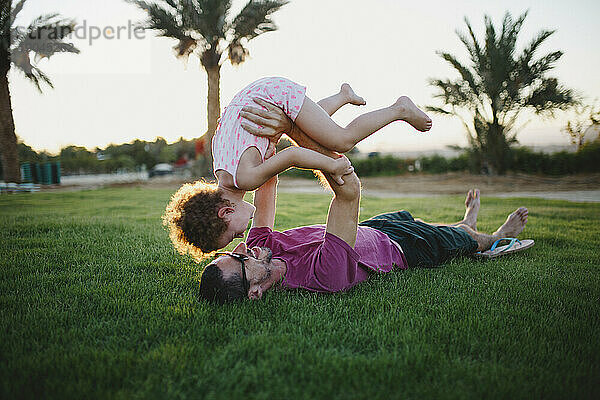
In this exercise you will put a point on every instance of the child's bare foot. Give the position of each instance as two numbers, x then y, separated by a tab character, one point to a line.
472	203
350	96
514	225
341	167
410	113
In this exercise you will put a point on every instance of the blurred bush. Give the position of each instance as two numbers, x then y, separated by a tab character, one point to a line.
587	159
131	156
521	159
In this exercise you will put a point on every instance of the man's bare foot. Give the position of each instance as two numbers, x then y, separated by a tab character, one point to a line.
350	96
514	225
472	203
410	113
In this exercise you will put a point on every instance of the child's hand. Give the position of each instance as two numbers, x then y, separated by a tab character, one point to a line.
341	167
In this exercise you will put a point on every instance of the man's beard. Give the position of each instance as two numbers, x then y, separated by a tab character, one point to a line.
267	263
269	255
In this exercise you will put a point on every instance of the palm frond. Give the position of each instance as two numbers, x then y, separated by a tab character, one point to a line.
38	76
45	36
530	50
464	72
22	62
510	31
454	93
549	95
171	3
209	19
253	20
478	60
472	48
490	34
512	119
160	19
16	10
545	63
438	110
166	20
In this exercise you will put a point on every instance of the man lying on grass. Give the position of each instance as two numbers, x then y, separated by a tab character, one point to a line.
344	252
325	258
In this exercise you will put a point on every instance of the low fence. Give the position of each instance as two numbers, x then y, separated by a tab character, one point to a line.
41	173
18	188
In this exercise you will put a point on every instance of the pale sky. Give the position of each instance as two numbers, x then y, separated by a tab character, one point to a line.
118	90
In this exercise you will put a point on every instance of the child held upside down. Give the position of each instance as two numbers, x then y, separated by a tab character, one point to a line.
203	217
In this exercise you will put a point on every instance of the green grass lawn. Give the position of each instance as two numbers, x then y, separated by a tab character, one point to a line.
94	303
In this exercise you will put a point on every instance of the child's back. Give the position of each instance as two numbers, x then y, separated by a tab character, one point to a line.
231	139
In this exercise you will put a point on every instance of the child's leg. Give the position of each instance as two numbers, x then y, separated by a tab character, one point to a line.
345	96
316	123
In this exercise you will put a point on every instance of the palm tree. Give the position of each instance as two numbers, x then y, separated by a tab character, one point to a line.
497	85
203	27
43	38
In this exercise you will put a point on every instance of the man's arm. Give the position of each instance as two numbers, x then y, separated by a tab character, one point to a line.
264	200
342	218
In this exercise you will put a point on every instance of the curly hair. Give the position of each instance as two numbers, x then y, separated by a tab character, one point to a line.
192	221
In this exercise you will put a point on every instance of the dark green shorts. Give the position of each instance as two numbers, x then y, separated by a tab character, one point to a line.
424	245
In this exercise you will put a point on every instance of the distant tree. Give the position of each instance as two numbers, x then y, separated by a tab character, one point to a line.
141	155
496	85
26	153
43	38
586	121
77	159
203	27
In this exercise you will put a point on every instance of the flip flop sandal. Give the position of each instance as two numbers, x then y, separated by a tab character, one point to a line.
513	246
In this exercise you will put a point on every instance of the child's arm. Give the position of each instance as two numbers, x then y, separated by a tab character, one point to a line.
251	177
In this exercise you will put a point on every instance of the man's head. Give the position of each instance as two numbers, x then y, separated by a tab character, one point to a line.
200	219
223	279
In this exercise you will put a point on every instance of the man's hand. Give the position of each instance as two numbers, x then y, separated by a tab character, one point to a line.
271	120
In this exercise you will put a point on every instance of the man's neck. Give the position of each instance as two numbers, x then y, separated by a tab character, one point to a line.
278	270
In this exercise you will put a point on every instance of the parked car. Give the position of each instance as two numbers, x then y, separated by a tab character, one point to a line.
161	169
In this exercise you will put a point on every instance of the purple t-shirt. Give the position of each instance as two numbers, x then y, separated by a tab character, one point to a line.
322	262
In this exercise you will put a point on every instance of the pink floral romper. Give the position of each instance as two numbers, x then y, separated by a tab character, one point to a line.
231	140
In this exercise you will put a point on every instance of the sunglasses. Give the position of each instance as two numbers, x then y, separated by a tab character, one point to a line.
241	258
